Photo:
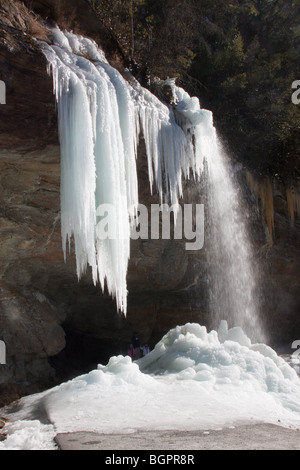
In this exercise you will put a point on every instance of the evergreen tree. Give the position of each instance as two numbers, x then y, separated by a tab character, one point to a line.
239	57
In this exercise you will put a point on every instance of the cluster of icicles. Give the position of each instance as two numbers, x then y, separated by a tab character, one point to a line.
101	116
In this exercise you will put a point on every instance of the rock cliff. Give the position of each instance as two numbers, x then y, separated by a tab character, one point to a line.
54	326
43	307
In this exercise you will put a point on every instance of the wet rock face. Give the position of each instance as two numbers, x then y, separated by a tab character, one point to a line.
281	282
277	261
29	210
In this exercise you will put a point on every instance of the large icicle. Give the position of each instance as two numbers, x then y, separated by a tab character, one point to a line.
100	118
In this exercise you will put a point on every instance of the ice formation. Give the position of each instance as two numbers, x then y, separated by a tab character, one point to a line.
101	115
192	380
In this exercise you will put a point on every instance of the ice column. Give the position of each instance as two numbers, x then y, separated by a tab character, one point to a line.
101	115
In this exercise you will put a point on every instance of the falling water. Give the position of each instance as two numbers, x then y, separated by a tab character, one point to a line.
101	115
232	281
233	284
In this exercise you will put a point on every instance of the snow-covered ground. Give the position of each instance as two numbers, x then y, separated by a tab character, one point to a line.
192	380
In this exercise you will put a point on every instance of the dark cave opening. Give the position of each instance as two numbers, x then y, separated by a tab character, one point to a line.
82	354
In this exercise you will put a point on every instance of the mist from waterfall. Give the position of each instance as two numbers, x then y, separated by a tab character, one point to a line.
101	116
232	281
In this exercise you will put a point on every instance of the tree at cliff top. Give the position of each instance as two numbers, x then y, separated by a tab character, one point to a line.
248	73
239	57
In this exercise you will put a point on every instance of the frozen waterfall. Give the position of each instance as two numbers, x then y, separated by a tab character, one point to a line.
101	116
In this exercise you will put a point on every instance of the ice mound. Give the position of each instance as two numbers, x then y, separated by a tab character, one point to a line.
192	380
190	352
29	435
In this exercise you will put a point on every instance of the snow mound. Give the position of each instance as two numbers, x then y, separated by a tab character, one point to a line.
192	380
228	356
29	435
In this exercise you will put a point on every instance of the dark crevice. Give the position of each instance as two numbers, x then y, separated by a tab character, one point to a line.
82	354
